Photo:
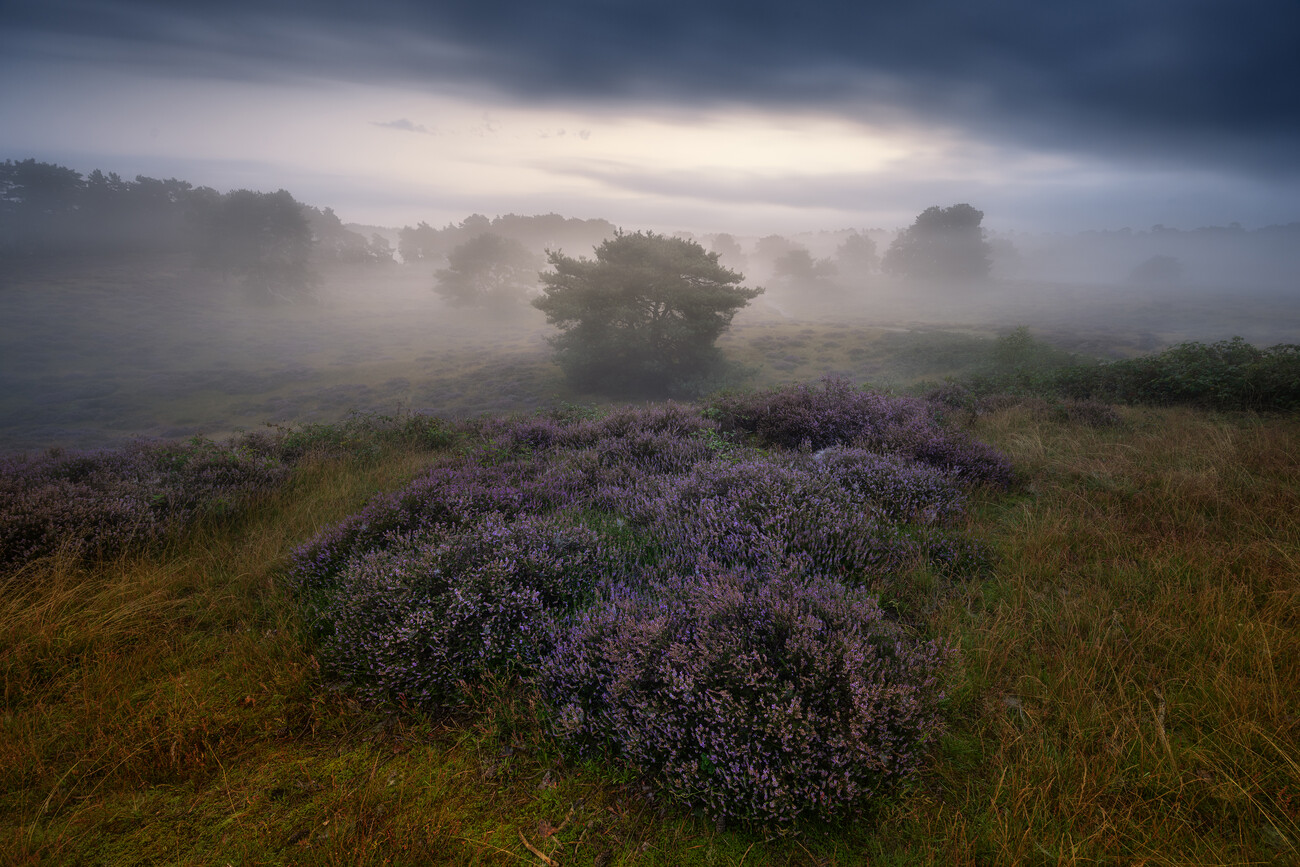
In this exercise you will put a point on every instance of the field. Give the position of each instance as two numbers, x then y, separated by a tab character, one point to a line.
96	351
1125	689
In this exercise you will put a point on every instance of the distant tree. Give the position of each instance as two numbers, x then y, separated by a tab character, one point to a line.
799	268
488	271
264	239
38	205
553	232
770	248
103	197
728	250
857	255
474	224
335	242
943	245
40	189
643	316
418	244
381	249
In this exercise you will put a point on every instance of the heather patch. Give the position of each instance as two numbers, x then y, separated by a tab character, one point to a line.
451	493
759	699
735	655
839	414
98	503
412	622
760	512
903	491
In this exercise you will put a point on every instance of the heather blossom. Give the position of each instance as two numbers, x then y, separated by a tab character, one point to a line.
761	698
686	588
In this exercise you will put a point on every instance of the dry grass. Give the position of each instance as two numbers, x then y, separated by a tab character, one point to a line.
1127	692
1132	672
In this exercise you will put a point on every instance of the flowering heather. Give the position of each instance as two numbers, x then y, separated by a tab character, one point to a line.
412	621
451	493
659	437
100	502
902	490
731	658
838	414
759	699
760	512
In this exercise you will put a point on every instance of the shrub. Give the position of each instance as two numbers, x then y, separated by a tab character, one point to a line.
411	621
99	503
761	512
838	414
1227	375
451	493
904	491
728	659
762	700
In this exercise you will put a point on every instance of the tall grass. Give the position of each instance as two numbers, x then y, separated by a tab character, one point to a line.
1125	691
1134	665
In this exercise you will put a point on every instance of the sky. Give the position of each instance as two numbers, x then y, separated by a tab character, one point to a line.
748	117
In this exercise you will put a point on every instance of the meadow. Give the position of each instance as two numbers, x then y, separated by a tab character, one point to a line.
97	350
1122	688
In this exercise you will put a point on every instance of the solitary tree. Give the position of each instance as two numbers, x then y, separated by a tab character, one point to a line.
942	245
643	316
488	271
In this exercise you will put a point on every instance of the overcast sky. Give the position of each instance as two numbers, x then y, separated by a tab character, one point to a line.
748	117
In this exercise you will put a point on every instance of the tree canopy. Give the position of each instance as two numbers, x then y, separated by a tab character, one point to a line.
264	239
942	245
799	268
856	255
488	271
643	315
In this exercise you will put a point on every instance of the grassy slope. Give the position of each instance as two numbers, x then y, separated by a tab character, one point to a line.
1127	692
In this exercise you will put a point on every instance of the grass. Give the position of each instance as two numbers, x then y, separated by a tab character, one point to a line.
1126	691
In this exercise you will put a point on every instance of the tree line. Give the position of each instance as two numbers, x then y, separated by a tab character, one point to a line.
264	241
643	316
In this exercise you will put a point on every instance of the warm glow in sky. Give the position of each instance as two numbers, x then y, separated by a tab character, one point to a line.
422	149
701	115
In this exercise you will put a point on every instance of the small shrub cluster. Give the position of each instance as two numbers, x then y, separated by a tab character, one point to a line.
762	511
453	493
838	413
411	622
903	491
693	604
1226	375
99	503
759	698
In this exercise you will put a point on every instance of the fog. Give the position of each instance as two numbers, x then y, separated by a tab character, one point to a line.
121	329
215	216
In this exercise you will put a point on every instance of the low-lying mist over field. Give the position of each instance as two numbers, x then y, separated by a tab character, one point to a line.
156	318
234	214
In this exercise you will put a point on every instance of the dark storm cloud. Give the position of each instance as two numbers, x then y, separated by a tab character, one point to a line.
1163	81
